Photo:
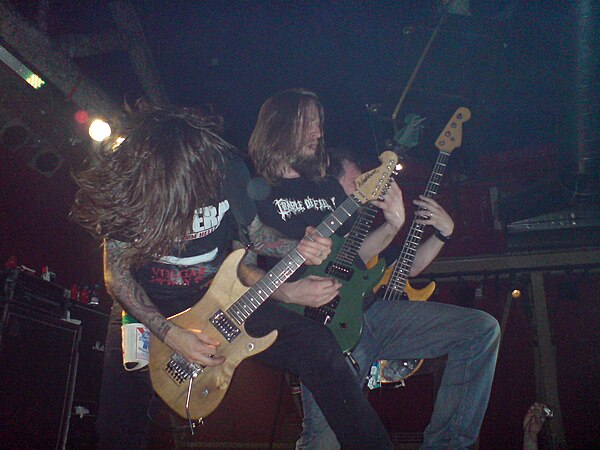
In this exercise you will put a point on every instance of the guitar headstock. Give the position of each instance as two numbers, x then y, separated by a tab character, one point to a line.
409	135
373	184
451	135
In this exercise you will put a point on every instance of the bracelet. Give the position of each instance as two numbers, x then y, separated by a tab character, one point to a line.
441	237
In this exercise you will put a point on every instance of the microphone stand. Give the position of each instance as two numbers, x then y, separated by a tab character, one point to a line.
417	68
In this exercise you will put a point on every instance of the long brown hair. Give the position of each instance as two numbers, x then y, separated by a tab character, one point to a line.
276	141
145	191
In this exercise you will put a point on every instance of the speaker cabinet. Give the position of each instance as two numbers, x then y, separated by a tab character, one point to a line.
89	376
38	361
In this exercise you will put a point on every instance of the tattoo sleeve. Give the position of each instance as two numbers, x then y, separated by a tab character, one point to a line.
268	241
249	272
123	288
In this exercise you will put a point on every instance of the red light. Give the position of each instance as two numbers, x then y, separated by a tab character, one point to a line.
81	117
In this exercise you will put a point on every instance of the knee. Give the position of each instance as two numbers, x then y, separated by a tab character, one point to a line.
489	328
325	350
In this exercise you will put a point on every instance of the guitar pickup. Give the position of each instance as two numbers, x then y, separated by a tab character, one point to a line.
225	326
323	314
339	271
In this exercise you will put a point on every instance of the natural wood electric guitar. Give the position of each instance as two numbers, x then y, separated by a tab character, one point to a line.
394	283
194	391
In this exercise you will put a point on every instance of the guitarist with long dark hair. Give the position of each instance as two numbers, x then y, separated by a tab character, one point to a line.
170	202
300	195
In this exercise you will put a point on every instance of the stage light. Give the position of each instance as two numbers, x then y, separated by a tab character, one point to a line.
99	130
519	286
14	135
81	117
20	69
46	162
35	81
514	289
399	167
118	142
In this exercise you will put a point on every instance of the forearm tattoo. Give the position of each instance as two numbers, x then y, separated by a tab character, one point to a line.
268	241
125	290
249	272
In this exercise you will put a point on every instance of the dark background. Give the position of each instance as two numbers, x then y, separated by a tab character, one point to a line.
512	63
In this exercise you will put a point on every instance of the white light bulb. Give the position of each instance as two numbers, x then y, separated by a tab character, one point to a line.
99	130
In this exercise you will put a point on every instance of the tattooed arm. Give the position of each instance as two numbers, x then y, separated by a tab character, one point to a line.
120	284
270	242
309	291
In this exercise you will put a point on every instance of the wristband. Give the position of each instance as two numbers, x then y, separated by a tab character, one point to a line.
441	237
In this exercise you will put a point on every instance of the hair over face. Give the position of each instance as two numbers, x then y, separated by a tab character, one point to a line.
146	190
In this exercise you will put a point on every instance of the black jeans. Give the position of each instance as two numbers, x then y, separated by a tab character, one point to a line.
304	347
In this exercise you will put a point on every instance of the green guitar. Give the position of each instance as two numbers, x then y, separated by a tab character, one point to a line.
344	313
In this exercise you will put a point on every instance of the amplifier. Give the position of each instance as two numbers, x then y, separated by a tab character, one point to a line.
22	287
38	360
84	411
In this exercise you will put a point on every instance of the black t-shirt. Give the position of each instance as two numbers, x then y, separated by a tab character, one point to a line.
175	283
294	204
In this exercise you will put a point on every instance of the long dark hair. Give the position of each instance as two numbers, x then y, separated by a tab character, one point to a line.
145	191
275	143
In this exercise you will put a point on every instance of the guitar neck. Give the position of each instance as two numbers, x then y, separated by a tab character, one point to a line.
349	251
399	276
285	268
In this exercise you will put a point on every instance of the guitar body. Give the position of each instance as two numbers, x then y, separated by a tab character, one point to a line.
421	295
343	315
211	383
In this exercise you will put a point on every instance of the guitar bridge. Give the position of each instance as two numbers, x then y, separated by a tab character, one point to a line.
180	369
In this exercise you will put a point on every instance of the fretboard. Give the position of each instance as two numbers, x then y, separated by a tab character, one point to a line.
285	268
349	251
399	276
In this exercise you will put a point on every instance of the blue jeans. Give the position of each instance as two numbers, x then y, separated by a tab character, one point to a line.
414	330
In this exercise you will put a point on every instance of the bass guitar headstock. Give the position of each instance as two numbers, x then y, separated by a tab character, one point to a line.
451	136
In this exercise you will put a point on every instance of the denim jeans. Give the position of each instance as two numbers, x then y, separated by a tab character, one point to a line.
304	347
413	330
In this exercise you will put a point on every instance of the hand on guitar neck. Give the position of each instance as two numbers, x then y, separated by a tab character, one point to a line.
434	215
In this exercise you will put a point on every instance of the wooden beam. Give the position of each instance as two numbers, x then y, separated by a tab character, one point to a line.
141	57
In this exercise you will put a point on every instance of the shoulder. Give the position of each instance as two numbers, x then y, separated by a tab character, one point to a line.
331	186
234	163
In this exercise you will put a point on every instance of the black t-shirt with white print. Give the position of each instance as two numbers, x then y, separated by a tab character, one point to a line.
294	204
175	283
